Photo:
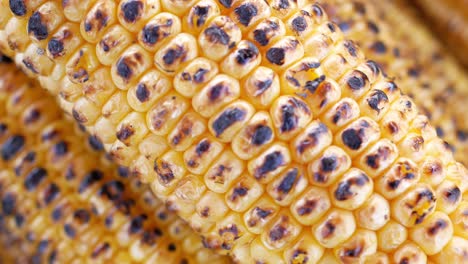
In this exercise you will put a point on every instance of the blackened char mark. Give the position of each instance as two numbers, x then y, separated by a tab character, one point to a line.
227	118
272	162
132	10
34	178
12	146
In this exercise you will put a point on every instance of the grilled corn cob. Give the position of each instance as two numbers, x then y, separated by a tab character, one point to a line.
277	128
61	203
391	35
450	20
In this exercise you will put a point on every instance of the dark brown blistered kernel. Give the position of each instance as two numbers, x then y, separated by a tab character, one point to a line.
453	195
142	93
60	148
247	55
55	47
124	70
100	249
82	216
80	118
312	85
32	115
276	55
98	22
91	178
8	204
132	10
289	116
173	55
352	138
56	214
164	171
50	193
261	135
12	146
373	161
271	163
351	47
377	99
245	13
261	36
343	191
226	3
288	182
112	190
312	138
95	143
357	81
227	118
299	24
36	27
125	132
439	225
18	7
218	35
34	178
379	47
136	225
220	90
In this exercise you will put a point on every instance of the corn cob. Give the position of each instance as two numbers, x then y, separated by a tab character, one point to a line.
449	19
391	35
61	203
255	121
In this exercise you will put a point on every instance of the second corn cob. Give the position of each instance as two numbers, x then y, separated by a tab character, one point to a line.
290	145
61	203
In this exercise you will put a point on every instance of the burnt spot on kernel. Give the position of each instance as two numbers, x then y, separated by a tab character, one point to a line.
308	207
80	118
202	147
199	76
18	7
271	163
343	192
439	131
438	226
240	191
132	10
226	3
55	47
171	247
328	164
342	112
91	178
82	216
30	65
69	231
245	13
164	171
289	118
379	47
373	161
277	232
60	149
276	55
142	93
261	135
217	91
56	214
136	225
51	192
260	36
34	178
288	182
100	19
174	54
37	27
351	47
453	194
376	98
393	127
100	250
299	24
8	204
312	86
352	139
202	13
151	34
123	171
112	190
226	119
32	116
12	146
373	66
217	35
4	59
123	69
264	85
462	135
125	132
312	138
95	143
246	55
356	82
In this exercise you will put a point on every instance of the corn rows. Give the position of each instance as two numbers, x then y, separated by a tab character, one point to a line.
391	35
61	203
255	121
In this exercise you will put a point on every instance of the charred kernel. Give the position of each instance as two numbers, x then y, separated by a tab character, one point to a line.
18	7
351	139
8	204
335	228
95	143
245	13
299	24
402	175
12	146
60	148
276	55
91	178
379	47
311	141
434	233
310	206
136	224
55	47
290	114
414	206
266	31
261	135
112	190
376	99
34	178
36	26
352	190
226	3
325	170
82	216
132	10
226	119
50	193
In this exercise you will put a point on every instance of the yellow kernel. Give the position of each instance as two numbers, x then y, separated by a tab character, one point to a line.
198	157
169	172
132	14
130	65
433	234
374	213
281	232
310	206
410	253
334	228
156	31
100	17
223	172
112	44
290	115
196	74
243	193
151	87
362	244
341	114
261	87
242	60
194	21
165	113
414	206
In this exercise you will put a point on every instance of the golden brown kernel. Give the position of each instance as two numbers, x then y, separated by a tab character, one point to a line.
329	167
224	171
219	37
161	27
334	228
310	206
287	185
290	115
270	163
97	20
229	120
